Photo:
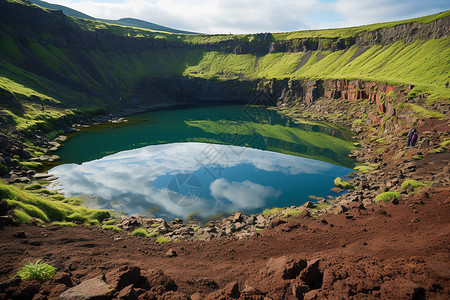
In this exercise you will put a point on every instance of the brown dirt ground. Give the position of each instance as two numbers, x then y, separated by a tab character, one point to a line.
383	251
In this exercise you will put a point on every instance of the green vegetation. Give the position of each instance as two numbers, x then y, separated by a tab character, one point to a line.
366	168
64	224
292	213
30	165
140	232
112	228
322	205
33	187
35	102
411	183
387	197
272	211
339	182
425	113
160	239
445	143
37	271
21	217
437	150
29	204
414	185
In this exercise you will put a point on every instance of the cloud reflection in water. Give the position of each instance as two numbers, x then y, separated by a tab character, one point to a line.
183	178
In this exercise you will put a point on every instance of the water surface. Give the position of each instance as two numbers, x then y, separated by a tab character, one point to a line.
204	160
182	178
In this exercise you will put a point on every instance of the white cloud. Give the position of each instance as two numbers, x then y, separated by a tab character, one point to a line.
253	16
243	195
207	16
128	180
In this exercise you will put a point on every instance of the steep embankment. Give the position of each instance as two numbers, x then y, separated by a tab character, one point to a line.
88	63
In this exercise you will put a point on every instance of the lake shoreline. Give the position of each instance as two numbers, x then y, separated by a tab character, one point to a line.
358	233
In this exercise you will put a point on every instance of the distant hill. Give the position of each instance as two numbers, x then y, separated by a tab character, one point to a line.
123	22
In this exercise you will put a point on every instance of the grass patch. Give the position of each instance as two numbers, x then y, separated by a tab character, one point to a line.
445	143
110	222
339	182
366	168
437	150
272	211
160	239
21	217
33	187
322	205
410	183
112	228
387	197
292	213
37	271
140	232
425	113
53	208
30	209
64	224
30	165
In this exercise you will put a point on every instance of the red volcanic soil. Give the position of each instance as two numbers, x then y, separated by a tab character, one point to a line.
389	251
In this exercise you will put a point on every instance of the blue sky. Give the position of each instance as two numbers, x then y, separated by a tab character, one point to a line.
253	16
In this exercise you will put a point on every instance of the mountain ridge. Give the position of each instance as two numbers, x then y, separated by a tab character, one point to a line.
132	22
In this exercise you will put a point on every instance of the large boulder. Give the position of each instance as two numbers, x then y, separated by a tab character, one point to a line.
95	288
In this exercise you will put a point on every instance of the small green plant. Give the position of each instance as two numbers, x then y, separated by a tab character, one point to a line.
387	196
33	187
410	183
321	205
64	224
112	228
437	150
292	213
160	239
271	211
445	143
140	232
339	182
366	168
22	217
39	271
30	165
109	222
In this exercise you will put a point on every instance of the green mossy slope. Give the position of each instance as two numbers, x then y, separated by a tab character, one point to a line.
47	73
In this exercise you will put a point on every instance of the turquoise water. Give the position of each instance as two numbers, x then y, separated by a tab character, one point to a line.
203	160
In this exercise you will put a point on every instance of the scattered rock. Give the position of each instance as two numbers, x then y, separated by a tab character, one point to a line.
95	288
312	275
171	253
124	276
20	235
284	267
127	293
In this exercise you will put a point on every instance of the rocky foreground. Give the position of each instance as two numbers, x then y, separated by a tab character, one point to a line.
346	247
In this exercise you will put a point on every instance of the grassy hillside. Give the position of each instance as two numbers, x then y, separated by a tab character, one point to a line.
42	79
